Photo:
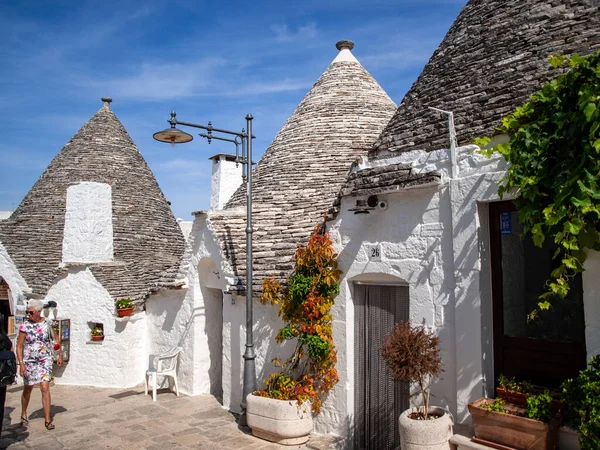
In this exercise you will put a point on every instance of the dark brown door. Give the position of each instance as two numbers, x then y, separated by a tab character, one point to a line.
551	348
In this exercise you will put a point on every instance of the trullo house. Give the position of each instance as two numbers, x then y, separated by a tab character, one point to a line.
424	236
295	182
96	228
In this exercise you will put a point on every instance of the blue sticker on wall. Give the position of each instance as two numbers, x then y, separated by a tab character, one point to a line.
505	223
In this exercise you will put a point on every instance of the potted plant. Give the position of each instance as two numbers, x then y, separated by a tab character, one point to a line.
581	396
412	355
517	392
124	307
533	427
513	391
97	333
282	411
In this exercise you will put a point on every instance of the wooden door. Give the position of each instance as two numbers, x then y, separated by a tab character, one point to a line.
551	348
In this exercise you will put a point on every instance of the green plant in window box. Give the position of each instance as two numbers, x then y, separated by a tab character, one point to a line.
97	333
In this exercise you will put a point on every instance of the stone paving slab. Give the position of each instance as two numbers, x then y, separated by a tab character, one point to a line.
124	419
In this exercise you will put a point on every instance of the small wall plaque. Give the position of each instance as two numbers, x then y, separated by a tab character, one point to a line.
374	252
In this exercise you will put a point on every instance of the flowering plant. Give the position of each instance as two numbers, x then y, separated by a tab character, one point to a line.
124	303
305	307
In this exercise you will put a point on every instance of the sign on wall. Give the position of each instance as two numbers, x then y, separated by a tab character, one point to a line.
505	223
374	252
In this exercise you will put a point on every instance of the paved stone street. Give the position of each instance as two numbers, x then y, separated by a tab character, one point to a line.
98	418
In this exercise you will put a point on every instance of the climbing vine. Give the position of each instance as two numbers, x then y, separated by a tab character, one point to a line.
554	156
305	307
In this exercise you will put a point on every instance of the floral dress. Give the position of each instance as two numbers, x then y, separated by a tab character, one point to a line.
37	352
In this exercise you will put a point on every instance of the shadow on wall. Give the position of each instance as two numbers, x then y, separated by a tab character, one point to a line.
266	326
213	306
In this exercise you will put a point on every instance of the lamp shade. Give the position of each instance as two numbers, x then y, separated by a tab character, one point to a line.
173	136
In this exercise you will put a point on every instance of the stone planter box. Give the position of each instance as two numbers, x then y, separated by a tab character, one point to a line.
426	434
568	439
281	421
510	430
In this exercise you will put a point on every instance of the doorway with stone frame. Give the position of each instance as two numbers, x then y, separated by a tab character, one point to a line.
378	399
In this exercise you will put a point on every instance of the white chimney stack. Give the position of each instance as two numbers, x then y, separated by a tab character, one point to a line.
226	178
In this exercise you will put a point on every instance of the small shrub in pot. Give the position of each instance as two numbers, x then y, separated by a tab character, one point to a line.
412	354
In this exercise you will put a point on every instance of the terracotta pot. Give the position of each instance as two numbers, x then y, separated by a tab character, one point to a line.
431	434
281	421
516	398
122	312
97	338
511	430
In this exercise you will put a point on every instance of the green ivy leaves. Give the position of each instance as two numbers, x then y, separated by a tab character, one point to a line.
554	155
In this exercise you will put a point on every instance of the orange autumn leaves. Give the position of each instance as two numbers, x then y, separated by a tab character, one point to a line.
305	306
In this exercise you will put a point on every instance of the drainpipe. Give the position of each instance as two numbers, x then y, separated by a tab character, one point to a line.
451	196
452	132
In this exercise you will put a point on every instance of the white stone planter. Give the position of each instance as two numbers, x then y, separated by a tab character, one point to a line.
281	421
426	434
568	439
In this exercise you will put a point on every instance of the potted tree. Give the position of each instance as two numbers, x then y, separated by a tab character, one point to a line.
97	333
282	411
124	307
412	355
581	396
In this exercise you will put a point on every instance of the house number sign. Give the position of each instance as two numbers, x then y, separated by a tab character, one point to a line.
374	252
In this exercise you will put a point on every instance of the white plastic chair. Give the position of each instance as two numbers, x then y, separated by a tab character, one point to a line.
164	364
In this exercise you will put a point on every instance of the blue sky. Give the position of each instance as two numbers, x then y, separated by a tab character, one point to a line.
207	60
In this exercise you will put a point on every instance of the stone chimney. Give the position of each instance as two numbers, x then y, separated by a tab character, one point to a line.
226	178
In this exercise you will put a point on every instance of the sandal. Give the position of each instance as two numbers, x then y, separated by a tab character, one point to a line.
24	422
49	425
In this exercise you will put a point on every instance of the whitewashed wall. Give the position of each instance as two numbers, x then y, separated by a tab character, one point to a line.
206	260
119	360
591	303
429	237
436	239
10	273
88	232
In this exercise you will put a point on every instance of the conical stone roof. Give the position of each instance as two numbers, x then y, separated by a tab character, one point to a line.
492	59
301	172
148	243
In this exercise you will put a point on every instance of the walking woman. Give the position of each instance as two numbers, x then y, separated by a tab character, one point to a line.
34	352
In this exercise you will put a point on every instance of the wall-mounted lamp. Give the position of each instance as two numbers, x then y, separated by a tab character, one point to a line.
236	289
364	206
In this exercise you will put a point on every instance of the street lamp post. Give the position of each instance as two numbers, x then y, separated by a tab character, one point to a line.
174	136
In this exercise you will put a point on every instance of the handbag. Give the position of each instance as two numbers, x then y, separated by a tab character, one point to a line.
8	367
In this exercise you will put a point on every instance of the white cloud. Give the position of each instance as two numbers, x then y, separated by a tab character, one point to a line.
283	34
161	82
